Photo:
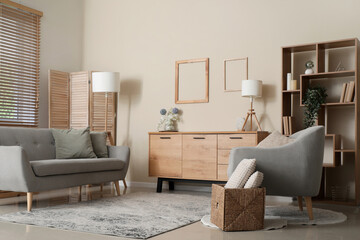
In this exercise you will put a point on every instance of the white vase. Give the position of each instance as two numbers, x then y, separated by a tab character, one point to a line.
309	71
288	81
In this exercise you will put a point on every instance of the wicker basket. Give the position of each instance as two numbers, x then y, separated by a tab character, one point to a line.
237	209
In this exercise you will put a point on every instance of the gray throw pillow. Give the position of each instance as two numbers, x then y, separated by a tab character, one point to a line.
98	140
73	143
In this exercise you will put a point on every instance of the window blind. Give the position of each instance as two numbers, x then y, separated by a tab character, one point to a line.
19	66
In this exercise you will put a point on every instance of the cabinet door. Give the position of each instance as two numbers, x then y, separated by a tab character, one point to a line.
222	172
199	157
165	156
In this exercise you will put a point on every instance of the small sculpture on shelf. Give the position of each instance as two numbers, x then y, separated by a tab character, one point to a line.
309	65
168	120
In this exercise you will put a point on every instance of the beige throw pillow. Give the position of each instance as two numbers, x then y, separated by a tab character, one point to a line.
275	139
254	180
241	174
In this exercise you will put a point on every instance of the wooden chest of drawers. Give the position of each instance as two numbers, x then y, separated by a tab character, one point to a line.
196	155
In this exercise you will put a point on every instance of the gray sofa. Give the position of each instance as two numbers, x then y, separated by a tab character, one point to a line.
28	164
291	170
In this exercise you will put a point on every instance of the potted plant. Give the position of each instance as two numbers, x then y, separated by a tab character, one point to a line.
314	97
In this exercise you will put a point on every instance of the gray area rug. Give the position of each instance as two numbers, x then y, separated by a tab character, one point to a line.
277	217
294	216
135	215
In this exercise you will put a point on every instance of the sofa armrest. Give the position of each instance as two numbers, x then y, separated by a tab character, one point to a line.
16	173
123	154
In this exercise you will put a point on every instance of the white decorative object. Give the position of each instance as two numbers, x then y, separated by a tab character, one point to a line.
309	71
288	81
241	174
168	120
251	89
309	65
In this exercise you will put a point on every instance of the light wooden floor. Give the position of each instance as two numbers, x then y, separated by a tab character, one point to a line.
347	230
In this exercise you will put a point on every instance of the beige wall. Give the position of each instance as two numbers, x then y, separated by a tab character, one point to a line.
61	41
142	39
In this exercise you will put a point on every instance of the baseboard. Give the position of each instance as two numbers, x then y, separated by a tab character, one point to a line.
178	186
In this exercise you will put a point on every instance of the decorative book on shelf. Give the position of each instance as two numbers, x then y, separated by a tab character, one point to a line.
348	92
288	123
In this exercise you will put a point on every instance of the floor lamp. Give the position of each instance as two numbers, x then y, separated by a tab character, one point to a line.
251	89
106	82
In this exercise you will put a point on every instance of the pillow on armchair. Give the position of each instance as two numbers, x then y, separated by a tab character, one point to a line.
275	139
73	143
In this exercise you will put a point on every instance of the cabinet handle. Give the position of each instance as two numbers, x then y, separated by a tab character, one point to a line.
165	137
236	138
198	138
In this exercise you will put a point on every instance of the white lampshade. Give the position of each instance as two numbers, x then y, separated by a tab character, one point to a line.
106	82
251	88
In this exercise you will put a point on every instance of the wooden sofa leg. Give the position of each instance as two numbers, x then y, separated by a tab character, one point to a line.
299	198
124	182
29	200
309	207
117	186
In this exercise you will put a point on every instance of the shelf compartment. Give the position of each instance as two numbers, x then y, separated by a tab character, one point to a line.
345	150
332	158
328	75
338	44
305	84
291	91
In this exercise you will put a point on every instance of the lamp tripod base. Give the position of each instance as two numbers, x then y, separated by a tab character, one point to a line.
250	114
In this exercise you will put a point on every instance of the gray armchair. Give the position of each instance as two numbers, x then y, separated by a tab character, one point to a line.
291	170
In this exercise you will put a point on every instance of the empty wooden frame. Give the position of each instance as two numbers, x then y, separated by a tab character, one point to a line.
194	77
235	70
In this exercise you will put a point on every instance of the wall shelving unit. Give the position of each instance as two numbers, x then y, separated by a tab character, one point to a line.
341	169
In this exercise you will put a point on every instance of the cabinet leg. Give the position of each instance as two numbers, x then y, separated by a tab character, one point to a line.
171	185
159	185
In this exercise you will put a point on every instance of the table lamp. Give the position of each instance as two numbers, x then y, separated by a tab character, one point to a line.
107	82
251	89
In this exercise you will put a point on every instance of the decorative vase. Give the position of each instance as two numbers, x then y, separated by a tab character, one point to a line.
309	71
309	65
288	81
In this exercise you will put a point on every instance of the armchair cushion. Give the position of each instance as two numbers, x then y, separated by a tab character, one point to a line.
53	167
241	174
275	139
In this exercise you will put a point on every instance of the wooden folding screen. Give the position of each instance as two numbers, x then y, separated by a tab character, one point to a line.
59	99
79	99
71	93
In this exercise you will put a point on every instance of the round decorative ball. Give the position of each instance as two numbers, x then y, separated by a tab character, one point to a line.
163	111
175	110
309	64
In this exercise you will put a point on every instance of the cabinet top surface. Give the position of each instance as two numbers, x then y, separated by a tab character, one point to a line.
208	132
